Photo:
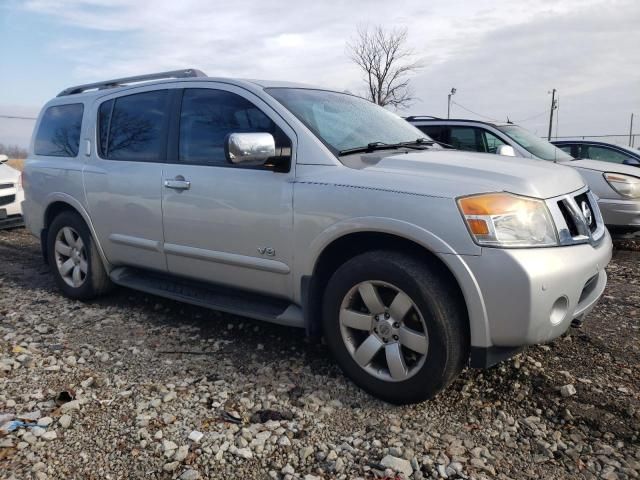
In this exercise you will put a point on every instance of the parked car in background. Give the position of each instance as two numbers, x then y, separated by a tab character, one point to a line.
11	195
616	185
603	151
317	209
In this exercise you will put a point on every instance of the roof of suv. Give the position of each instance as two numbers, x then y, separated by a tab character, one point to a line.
188	75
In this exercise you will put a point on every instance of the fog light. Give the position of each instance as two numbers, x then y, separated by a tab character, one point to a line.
559	310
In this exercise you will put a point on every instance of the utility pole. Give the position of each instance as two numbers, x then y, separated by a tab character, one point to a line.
453	92
553	107
631	132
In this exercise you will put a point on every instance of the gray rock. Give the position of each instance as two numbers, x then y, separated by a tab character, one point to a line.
397	464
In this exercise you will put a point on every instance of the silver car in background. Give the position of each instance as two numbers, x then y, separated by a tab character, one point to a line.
616	185
314	209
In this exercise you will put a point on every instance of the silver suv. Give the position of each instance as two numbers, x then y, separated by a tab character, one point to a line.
315	209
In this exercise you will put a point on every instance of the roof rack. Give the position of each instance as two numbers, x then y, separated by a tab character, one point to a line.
419	117
118	82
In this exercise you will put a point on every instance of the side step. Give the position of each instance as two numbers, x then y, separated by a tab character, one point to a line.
229	300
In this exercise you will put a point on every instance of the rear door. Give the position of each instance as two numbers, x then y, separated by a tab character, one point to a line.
224	223
123	178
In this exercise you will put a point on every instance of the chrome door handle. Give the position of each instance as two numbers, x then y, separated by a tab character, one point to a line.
179	183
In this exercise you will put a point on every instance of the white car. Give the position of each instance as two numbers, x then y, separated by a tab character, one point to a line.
11	195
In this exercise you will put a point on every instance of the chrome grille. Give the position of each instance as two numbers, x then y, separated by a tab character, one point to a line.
577	218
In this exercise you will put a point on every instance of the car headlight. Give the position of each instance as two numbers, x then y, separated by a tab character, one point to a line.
625	185
507	220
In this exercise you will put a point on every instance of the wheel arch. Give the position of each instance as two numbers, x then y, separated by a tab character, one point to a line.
61	202
416	241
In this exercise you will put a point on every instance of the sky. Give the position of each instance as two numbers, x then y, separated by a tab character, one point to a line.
502	56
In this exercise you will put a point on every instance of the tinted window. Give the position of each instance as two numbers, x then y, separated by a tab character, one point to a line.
133	129
59	131
465	138
433	131
605	154
208	116
566	148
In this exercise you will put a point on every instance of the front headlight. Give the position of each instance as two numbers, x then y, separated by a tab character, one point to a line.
507	220
625	185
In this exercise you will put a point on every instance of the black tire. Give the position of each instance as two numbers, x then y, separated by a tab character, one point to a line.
438	301
96	281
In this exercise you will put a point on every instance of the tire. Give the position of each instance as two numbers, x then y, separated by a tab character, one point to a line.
432	322
75	249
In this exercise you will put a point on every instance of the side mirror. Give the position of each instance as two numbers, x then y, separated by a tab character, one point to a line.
634	162
254	148
3	158
506	150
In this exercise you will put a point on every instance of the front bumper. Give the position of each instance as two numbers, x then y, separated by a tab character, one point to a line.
621	213
532	295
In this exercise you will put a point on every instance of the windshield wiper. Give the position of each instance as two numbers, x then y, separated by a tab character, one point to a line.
417	144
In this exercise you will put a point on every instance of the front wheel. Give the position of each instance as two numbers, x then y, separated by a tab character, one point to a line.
395	325
74	259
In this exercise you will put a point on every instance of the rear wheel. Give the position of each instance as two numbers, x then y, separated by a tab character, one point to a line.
395	326
73	258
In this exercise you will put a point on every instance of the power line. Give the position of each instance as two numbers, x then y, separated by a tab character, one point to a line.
17	117
475	113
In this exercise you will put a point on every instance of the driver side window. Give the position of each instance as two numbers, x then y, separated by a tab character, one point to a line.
208	116
605	154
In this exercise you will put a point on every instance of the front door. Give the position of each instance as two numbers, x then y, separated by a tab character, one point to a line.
224	223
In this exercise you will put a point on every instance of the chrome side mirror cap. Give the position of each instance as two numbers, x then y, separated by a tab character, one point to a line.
506	150
3	158
253	148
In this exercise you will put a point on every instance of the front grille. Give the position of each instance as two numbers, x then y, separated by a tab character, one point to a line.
6	185
6	200
571	224
577	218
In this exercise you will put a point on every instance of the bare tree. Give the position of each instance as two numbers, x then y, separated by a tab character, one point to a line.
386	62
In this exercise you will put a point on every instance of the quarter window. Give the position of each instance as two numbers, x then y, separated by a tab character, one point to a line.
208	116
490	142
131	127
59	131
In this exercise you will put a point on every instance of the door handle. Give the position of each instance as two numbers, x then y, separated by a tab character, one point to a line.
178	183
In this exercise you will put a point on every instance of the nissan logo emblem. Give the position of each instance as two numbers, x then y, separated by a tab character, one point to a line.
586	211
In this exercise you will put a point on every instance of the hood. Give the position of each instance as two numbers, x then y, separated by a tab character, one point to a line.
600	166
452	173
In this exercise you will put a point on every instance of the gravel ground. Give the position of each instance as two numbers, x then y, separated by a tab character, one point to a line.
163	390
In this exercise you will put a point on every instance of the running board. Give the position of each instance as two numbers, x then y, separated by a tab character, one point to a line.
224	299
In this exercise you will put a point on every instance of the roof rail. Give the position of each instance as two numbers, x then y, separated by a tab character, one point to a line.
418	117
118	82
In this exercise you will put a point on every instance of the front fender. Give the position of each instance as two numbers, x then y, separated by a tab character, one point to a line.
478	320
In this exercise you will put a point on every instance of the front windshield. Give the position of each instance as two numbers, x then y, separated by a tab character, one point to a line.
534	145
344	121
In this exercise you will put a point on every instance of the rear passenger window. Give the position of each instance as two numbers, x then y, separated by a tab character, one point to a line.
465	138
59	131
208	116
132	127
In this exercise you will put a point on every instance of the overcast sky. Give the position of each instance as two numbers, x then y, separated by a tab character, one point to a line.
503	56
